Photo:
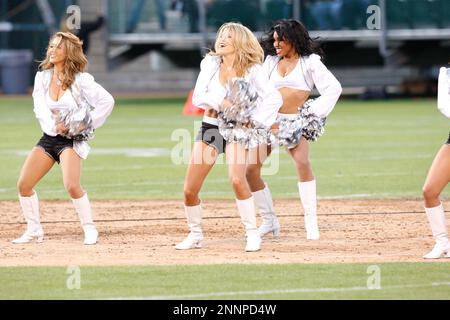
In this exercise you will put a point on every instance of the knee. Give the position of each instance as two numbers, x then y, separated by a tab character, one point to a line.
430	193
252	172
24	188
74	189
237	182
303	163
190	195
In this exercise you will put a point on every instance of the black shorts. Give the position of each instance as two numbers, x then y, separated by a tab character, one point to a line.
209	134
53	146
448	140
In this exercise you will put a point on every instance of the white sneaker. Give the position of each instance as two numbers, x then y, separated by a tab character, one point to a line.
28	236
439	250
253	242
192	241
269	226
90	236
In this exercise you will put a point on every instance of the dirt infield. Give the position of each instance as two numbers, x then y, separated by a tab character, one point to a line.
144	233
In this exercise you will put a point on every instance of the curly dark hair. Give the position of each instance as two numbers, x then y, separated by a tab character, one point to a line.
294	32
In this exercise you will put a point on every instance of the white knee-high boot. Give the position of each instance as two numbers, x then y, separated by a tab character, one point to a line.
264	202
307	191
436	218
30	210
246	209
195	236
83	208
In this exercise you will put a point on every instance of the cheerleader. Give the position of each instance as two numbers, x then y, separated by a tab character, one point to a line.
60	86
294	66
237	54
438	178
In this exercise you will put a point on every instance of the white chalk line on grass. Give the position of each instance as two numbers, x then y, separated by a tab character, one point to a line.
281	291
146	121
133	152
45	191
163	152
129	152
221	181
356	158
347	196
114	169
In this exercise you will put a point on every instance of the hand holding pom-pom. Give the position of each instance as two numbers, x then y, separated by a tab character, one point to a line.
313	126
76	123
235	123
289	128
287	131
240	101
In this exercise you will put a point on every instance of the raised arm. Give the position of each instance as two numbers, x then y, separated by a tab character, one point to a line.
328	86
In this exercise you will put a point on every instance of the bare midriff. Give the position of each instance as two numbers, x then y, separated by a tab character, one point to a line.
292	99
211	113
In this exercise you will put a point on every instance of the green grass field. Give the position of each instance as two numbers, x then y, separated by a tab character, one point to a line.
289	281
369	150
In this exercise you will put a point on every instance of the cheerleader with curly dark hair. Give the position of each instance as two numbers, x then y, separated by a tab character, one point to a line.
294	65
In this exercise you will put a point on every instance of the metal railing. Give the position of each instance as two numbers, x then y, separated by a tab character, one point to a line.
185	16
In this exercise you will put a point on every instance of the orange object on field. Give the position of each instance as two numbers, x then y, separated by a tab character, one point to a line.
189	109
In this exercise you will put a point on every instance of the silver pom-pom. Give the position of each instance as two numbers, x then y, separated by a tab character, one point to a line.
313	126
248	137
243	98
256	136
289	131
291	128
235	123
78	121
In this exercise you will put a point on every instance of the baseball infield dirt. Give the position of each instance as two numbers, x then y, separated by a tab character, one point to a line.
145	232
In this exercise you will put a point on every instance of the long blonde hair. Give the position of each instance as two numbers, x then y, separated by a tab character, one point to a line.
248	50
75	61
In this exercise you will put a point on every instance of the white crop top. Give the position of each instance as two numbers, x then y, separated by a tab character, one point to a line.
295	79
309	72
